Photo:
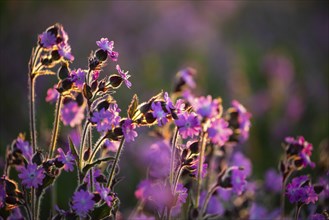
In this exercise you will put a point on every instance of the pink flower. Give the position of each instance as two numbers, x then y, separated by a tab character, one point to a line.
218	132
52	94
72	114
108	46
188	125
206	107
124	75
128	129
65	51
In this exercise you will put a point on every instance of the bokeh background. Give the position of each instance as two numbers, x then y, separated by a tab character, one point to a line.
272	56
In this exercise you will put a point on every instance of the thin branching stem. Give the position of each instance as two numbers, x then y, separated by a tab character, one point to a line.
116	160
82	143
97	147
298	208
206	201
56	127
173	155
32	113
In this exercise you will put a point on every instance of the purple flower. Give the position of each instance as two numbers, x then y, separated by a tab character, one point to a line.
104	193
298	191
75	137
240	160
169	105
106	119
67	159
273	181
31	176
309	195
238	181
257	212
82	203
214	207
224	194
64	51
78	77
243	120
206	107
181	194
47	40
108	46
188	125
187	76
124	75
128	129
301	148
52	94
111	145
72	114
318	216
159	114
25	148
219	132
142	216
142	192
15	214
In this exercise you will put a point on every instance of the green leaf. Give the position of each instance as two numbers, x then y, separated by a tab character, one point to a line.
132	107
90	165
74	151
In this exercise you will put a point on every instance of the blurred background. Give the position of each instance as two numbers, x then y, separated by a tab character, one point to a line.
272	56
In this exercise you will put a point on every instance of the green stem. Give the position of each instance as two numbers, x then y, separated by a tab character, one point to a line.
116	160
82	143
173	154
202	149
56	126
96	148
298	208
32	112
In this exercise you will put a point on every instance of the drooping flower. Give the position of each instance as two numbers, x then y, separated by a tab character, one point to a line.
188	125
124	75
238	159
106	119
128	129
47	40
67	159
82	203
64	51
219	132
159	114
72	114
104	194
108	47
273	180
243	119
206	107
31	176
78	77
25	148
52	94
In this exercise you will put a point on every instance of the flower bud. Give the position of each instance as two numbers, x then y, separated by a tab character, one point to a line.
37	158
63	72
115	81
101	55
55	55
86	154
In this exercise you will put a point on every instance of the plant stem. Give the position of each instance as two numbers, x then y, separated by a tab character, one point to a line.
116	160
284	183
32	112
173	154
82	143
96	148
56	126
33	203
202	149
37	207
298	208
205	204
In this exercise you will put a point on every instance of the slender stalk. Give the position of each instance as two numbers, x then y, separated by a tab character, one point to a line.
298	208
176	180
173	154
96	148
37	207
33	203
56	127
116	160
205	204
202	149
28	211
284	183
32	112
82	143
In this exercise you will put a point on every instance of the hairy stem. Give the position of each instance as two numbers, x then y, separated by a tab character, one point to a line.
82	143
32	112
298	208
116	160
173	154
96	148
202	149
56	127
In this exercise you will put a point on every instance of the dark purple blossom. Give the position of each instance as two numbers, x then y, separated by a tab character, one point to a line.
72	114
64	51
159	114
52	94
124	75
273	180
299	191
82	203
219	132
67	159
31	176
188	125
78	77
104	194
243	120
206	107
106	119
2	194
238	180
25	148
108	46
47	40
16	214
128	129
238	159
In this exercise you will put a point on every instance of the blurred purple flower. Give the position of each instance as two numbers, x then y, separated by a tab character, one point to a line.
16	214
72	114
301	148
25	148
240	160
82	203
47	40
159	114
206	107
224	194
75	137
257	212
318	216
141	192
187	76
52	94
219	132
169	104
238	180
273	180
108	46
243	120
78	77
128	129
31	176
214	207
106	119
297	191
124	75
67	159
2	194
188	125
65	51
104	193
179	106
195	167
111	145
